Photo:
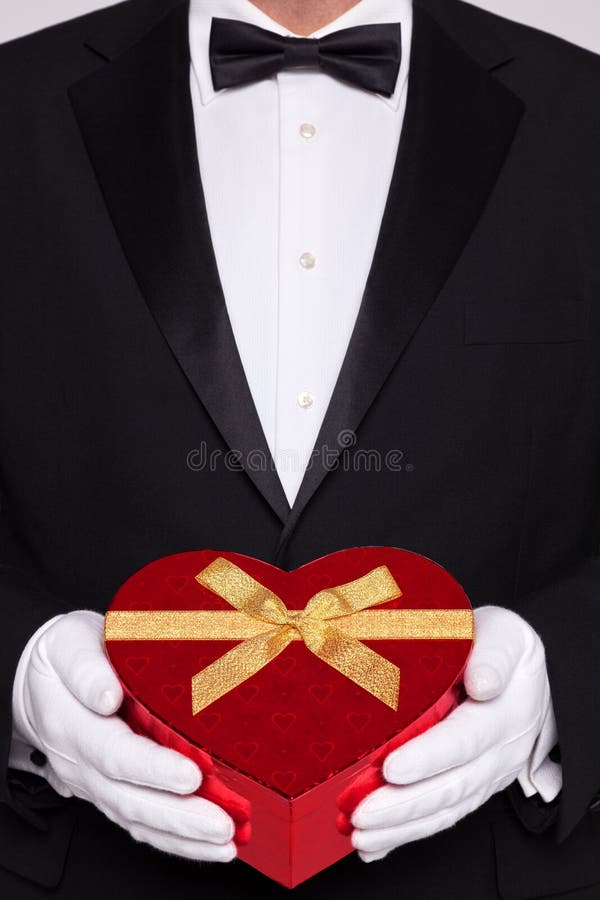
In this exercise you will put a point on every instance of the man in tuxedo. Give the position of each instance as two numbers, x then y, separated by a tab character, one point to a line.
283	278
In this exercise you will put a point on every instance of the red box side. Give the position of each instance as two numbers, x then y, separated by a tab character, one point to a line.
292	839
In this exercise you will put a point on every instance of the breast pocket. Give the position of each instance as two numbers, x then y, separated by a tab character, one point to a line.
523	321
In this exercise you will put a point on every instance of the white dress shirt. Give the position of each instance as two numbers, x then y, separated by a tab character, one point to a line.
296	172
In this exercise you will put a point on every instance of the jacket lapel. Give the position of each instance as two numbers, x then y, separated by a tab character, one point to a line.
136	118
459	125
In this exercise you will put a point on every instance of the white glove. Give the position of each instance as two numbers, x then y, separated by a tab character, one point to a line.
502	732
64	702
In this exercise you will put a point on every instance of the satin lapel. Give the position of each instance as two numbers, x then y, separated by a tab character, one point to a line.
136	118
459	125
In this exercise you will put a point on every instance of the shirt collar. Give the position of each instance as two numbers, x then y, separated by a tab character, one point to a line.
366	12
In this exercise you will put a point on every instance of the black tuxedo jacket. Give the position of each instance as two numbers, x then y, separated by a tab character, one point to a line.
465	424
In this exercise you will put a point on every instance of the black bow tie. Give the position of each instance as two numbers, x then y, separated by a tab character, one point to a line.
366	55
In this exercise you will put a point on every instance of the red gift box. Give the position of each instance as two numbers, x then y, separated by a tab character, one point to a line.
289	688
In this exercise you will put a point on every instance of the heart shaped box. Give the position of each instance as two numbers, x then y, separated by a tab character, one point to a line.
297	745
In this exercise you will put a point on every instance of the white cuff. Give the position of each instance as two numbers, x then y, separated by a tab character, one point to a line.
541	775
20	756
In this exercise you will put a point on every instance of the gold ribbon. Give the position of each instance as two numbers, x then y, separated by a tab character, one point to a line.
331	625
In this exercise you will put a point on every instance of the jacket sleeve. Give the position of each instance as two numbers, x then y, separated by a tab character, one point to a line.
25	605
566	615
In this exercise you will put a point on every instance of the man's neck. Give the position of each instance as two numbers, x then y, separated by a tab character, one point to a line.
304	16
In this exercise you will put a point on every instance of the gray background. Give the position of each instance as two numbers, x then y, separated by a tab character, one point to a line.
576	20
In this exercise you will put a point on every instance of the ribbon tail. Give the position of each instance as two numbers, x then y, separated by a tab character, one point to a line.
237	665
356	661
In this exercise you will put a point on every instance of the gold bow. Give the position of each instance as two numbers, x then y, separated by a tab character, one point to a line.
331	626
313	624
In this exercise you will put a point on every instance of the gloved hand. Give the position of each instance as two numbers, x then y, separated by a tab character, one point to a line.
502	732
65	698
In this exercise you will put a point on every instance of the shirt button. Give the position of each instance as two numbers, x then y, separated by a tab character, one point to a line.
305	400
307	130
308	261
